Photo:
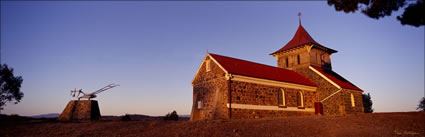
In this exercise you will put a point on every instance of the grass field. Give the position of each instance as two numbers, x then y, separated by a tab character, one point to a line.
376	124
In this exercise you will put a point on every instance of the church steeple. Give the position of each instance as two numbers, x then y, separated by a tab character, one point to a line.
302	51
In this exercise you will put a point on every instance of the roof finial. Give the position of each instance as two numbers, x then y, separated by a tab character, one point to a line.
299	17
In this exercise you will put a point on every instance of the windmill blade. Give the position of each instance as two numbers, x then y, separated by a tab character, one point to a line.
104	88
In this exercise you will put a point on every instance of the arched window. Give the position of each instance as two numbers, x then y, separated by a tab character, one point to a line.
353	104
208	65
300	99
281	98
298	59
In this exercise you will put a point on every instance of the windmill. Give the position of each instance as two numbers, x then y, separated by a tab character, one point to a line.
76	93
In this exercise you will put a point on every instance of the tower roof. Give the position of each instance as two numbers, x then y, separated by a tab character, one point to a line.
300	39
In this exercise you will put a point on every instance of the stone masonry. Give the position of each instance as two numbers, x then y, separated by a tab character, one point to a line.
338	104
257	94
80	110
211	89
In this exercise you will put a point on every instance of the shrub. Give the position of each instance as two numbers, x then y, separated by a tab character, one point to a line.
367	103
172	116
421	106
126	117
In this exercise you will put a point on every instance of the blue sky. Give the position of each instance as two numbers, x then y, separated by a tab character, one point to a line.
153	49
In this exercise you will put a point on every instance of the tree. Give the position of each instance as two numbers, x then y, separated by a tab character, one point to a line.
9	86
413	14
421	106
172	116
367	103
126	117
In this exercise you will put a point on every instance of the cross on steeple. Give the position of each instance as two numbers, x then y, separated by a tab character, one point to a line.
299	17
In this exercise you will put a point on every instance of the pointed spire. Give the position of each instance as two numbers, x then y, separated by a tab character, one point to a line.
299	17
300	38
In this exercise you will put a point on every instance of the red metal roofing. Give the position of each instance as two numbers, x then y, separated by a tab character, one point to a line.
300	38
335	77
251	69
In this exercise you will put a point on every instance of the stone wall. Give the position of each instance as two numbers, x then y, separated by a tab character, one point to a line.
332	106
293	58
213	95
318	57
340	103
252	114
307	56
257	94
211	88
358	101
324	88
204	76
80	110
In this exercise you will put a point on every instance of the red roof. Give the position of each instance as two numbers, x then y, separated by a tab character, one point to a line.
300	38
251	69
339	80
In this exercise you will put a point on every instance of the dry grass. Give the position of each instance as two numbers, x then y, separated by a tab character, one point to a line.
377	124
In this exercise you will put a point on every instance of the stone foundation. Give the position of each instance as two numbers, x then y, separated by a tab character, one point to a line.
80	110
253	114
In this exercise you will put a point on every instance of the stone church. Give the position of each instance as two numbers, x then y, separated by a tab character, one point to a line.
303	83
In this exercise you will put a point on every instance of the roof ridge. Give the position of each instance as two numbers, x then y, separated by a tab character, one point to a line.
253	69
251	62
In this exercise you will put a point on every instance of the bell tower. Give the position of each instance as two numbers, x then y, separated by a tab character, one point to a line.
303	51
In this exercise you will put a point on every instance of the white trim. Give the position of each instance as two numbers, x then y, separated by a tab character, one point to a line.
309	48
272	83
211	58
331	95
228	76
264	107
216	62
330	81
323	76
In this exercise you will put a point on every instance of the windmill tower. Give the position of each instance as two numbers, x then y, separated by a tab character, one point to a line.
83	109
